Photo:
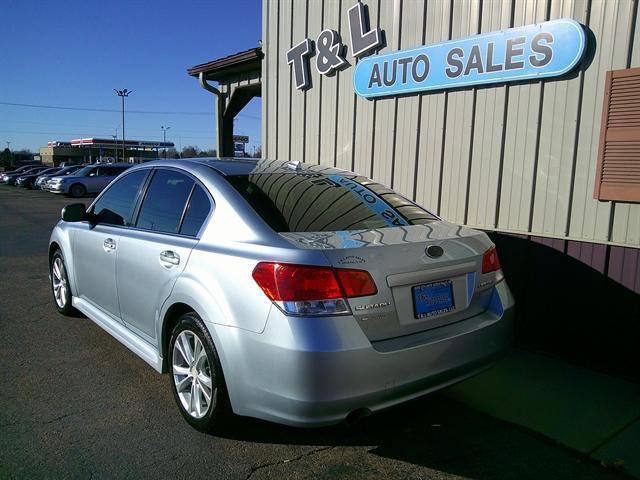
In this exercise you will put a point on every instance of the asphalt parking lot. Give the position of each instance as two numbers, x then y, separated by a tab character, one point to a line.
77	404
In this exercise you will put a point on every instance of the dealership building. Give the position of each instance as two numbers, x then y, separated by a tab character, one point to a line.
517	117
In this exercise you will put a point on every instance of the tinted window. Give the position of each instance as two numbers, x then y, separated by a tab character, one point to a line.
116	205
291	202
165	201
67	170
84	171
197	211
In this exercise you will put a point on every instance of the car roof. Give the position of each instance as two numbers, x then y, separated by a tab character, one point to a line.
108	164
246	166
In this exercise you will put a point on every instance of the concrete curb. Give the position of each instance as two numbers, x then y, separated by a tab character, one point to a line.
592	413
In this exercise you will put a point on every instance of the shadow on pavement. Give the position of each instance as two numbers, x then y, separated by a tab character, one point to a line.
439	434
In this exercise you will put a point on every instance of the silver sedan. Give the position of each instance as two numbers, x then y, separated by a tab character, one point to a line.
300	294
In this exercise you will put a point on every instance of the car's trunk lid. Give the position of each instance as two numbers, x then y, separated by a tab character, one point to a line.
417	288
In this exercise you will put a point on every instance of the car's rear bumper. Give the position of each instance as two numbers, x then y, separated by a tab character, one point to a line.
316	371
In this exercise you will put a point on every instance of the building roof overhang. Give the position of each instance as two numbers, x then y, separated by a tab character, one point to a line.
237	63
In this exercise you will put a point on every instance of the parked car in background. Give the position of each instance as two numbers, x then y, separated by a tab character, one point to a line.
10	178
42	180
13	171
28	179
295	293
90	179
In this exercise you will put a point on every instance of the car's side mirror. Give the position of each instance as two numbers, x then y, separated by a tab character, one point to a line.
76	212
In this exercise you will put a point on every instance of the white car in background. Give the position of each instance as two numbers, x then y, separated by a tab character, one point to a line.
90	179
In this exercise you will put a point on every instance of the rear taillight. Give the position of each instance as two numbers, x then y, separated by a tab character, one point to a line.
355	283
490	261
311	290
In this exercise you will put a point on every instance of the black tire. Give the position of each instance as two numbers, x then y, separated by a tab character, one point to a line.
77	190
218	412
58	271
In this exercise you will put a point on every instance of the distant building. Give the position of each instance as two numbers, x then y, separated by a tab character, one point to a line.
95	150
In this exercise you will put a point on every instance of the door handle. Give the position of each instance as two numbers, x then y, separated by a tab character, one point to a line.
169	259
109	245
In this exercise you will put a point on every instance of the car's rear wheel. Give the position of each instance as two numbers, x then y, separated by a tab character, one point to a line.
77	190
60	285
196	375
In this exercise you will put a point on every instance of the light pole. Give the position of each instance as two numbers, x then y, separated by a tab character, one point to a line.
164	138
122	94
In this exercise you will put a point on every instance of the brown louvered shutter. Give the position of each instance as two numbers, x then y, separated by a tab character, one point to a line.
618	170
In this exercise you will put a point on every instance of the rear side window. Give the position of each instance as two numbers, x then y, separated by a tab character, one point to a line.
115	207
197	212
165	201
109	171
291	202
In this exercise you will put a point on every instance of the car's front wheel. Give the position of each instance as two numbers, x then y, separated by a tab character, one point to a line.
196	375
77	190
60	285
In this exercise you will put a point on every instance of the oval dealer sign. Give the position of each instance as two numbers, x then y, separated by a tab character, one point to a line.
535	51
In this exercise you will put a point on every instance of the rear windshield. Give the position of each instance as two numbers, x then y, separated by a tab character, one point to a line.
294	202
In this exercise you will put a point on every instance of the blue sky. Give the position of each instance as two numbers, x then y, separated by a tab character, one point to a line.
74	53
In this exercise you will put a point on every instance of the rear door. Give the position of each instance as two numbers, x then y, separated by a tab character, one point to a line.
152	255
100	177
92	180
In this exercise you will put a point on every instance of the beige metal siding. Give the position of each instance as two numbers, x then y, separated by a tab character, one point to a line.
432	115
481	202
298	137
270	75
609	19
408	119
328	126
364	113
344	99
521	137
556	150
286	90
313	114
519	158
386	114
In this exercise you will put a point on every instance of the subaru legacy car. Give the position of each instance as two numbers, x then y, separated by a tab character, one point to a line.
90	179
295	293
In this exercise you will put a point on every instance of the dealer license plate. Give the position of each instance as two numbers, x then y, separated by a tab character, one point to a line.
432	299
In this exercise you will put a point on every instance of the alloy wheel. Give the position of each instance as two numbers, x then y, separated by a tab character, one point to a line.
60	282
192	374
